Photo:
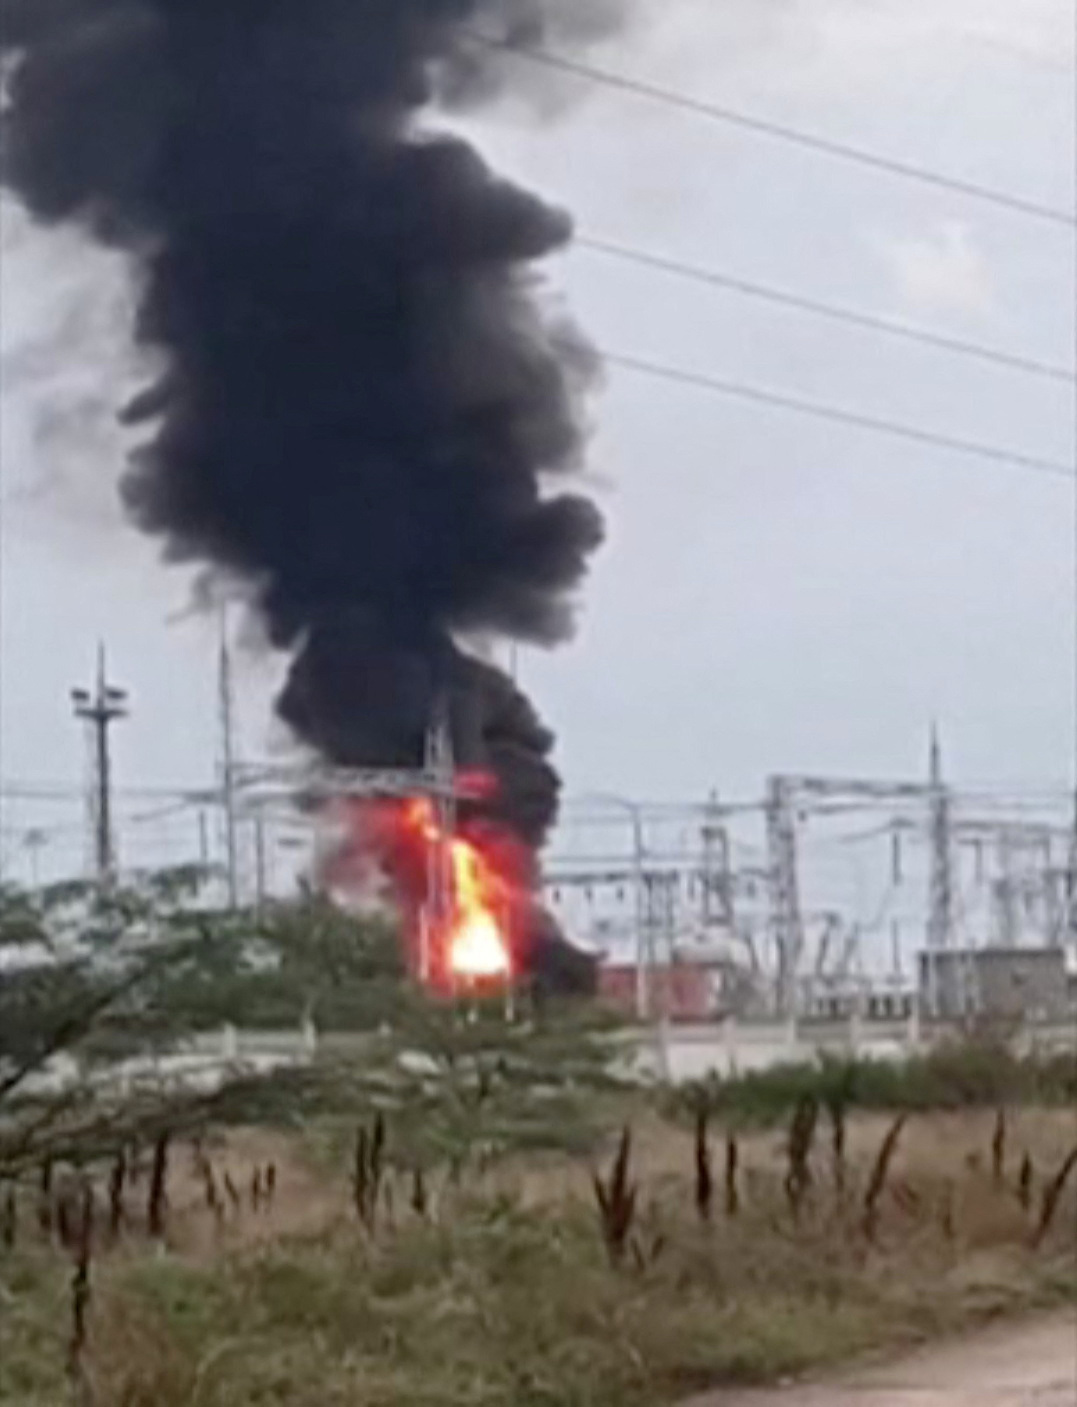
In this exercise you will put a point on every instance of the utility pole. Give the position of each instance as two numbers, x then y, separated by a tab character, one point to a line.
1006	895
99	709
941	897
633	810
203	839
440	763
717	878
895	952
1069	922
228	763
786	918
35	841
897	856
644	969
261	860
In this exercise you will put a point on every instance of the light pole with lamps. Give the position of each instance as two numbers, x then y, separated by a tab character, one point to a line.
99	709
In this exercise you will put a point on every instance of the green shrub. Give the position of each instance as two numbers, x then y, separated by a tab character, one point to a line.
967	1074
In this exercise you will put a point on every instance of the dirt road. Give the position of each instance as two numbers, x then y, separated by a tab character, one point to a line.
1032	1366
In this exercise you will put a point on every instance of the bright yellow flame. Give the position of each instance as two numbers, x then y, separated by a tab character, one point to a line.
477	948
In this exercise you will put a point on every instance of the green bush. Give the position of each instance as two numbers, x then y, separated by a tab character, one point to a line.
958	1075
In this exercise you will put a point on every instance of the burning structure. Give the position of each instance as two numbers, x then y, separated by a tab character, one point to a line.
464	882
464	895
365	413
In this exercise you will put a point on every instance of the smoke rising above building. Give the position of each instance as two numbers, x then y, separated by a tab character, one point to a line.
366	413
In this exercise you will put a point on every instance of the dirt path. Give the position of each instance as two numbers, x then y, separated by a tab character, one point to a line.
1031	1366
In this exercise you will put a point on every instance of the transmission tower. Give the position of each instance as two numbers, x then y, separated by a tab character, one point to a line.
99	709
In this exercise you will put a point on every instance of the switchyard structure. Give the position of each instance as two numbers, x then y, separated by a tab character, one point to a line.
690	890
958	873
828	894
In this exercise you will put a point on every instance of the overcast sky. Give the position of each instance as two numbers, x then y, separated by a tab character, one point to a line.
778	593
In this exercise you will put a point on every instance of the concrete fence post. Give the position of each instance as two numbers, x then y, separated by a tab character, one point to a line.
856	1033
729	1043
914	1032
309	1036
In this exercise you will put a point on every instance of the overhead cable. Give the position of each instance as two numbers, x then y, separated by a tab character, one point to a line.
760	395
868	321
766	127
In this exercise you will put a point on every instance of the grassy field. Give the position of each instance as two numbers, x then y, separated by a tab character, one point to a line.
501	1291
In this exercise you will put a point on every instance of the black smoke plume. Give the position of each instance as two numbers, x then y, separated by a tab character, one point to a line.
364	405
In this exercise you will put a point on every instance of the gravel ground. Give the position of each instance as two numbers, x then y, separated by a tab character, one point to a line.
1031	1366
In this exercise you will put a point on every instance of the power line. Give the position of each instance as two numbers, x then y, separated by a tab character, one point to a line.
64	791
160	813
766	127
745	391
1026	55
819	307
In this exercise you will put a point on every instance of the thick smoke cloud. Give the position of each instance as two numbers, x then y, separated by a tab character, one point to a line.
364	407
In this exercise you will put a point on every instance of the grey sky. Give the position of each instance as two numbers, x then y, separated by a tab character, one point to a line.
777	593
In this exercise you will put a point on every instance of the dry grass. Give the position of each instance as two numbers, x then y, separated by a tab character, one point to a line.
503	1295
305	1201
933	1146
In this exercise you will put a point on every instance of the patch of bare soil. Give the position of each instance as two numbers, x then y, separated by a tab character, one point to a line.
1033	1365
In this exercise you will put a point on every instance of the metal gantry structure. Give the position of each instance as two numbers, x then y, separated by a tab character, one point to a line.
802	949
316	788
789	798
1032	862
655	881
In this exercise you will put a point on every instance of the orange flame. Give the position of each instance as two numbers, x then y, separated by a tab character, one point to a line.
475	948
